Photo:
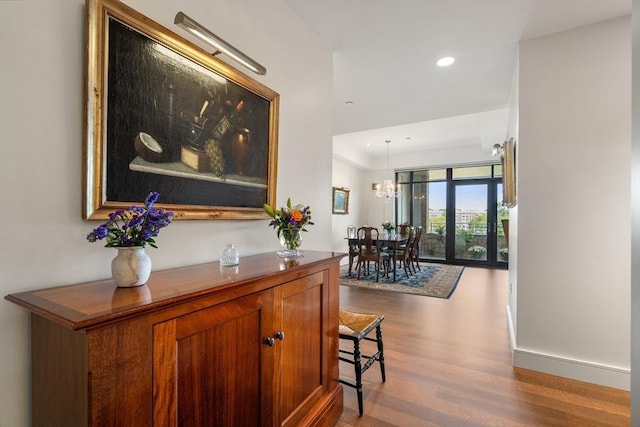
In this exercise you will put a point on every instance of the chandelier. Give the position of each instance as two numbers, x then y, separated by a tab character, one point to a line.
387	190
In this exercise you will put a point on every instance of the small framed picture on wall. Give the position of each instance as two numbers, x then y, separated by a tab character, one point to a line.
340	200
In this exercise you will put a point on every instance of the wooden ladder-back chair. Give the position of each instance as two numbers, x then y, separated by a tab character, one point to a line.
415	250
403	254
369	250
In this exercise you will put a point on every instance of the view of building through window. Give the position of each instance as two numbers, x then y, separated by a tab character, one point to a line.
467	201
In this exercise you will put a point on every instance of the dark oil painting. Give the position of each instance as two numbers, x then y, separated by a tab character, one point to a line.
179	104
200	135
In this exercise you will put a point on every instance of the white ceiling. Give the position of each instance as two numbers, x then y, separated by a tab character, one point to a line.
384	54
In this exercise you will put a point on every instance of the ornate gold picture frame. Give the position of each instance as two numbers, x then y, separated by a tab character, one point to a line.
509	174
340	198
164	115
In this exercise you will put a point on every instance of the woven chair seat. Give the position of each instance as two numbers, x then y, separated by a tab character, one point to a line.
356	324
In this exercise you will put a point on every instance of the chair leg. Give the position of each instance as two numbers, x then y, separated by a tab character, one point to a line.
407	268
357	366
381	350
379	264
416	259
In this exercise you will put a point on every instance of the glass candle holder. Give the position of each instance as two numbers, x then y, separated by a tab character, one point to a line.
230	256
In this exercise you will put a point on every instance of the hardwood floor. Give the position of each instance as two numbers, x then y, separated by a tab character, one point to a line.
448	363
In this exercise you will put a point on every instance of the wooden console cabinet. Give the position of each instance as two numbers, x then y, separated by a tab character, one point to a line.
253	345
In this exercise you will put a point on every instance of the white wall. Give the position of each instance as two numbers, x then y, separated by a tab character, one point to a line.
364	207
348	176
41	118
635	218
573	312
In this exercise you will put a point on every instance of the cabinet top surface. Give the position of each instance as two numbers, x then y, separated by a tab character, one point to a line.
88	304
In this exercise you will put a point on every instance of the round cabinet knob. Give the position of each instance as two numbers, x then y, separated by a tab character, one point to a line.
279	335
269	341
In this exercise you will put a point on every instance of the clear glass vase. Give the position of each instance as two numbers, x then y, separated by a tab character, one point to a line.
290	241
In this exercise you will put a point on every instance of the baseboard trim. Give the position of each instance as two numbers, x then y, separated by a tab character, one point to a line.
609	376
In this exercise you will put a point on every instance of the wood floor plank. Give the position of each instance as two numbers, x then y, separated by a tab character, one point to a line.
448	363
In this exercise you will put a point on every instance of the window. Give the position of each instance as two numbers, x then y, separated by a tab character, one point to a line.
452	203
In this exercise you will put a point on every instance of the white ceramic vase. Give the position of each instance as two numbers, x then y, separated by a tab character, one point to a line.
131	267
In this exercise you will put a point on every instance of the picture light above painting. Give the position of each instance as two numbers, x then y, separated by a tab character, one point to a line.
218	43
164	115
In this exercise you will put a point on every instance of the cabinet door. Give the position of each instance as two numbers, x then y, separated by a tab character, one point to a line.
212	367
301	316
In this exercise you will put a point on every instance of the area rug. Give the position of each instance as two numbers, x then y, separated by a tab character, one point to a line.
432	280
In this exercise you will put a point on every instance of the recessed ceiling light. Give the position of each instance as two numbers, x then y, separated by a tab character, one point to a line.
446	61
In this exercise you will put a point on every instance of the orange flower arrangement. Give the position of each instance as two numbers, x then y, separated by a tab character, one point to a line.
289	221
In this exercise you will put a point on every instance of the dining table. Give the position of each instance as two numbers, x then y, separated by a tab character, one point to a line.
391	244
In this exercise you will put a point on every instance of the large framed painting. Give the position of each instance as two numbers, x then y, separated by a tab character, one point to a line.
164	115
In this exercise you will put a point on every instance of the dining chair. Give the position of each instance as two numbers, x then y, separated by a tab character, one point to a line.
369	250
402	255
415	250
